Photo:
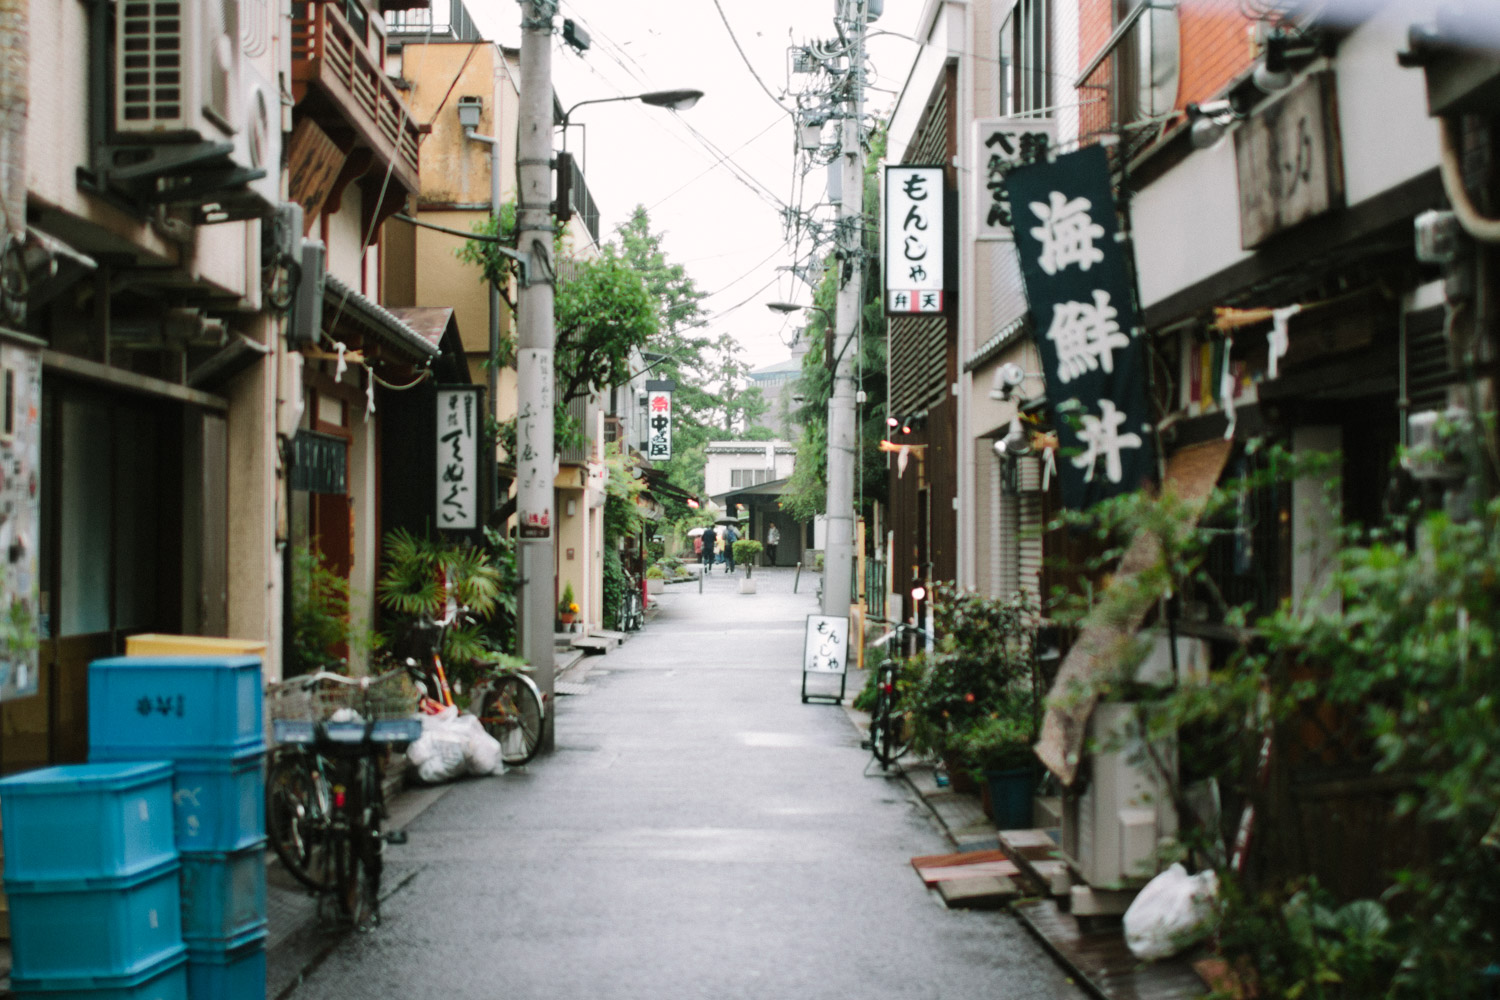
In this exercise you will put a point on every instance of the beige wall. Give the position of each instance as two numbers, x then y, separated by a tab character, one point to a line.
255	501
456	170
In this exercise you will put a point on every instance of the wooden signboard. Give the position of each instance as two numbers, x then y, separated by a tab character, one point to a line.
1288	161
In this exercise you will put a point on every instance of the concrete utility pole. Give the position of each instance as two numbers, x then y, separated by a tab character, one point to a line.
536	462
838	563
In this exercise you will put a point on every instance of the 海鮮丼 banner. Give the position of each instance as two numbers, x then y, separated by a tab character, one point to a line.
1079	287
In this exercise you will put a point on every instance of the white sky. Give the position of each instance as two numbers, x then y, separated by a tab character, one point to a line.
728	236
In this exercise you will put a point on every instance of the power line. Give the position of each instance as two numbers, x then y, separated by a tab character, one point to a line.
746	59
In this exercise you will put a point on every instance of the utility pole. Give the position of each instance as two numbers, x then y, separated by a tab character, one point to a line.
838	573
536	463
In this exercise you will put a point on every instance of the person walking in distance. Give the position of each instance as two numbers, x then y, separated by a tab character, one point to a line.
730	537
773	539
707	551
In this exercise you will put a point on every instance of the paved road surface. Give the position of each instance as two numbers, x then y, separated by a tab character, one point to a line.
698	833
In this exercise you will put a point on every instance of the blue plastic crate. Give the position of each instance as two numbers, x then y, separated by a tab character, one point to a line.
94	927
235	971
220	804
223	895
86	821
166	980
172	707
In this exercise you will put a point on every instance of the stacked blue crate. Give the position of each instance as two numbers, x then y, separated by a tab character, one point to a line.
204	714
91	870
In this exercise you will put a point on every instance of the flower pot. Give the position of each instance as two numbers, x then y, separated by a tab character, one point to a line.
1011	793
747	586
959	778
655	585
565	619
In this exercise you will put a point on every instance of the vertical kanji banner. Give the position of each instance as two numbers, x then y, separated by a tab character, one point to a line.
912	229
1083	312
659	419
459	410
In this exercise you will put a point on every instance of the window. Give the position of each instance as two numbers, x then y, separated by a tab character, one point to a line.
748	477
1025	66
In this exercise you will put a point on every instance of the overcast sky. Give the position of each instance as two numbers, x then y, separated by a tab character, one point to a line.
722	222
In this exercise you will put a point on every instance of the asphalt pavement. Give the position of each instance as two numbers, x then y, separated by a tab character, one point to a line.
698	832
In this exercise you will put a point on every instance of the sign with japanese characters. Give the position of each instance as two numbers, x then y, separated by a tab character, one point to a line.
913	234
659	420
1001	145
1287	160
825	647
1083	312
458	415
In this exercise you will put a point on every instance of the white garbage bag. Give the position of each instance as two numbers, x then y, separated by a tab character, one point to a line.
1173	912
438	754
481	750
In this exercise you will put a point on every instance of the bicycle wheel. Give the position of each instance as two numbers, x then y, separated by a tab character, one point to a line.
297	817
357	862
511	712
888	740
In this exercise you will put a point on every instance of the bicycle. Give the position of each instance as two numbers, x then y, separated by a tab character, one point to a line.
324	797
507	703
630	614
889	740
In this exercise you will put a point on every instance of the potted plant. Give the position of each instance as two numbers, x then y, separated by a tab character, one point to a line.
997	750
567	608
656	579
746	550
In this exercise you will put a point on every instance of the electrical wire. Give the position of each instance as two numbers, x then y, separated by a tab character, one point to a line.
748	64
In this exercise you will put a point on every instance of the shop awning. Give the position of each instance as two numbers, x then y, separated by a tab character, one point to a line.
1191	473
343	304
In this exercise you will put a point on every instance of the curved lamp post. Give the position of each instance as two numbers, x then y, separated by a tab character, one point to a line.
676	100
787	308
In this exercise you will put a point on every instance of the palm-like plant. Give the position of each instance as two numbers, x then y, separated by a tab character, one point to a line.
422	575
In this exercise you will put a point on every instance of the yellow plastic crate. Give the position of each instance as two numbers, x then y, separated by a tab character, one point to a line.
153	644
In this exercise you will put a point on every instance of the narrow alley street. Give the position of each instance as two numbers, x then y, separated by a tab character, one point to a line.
698	832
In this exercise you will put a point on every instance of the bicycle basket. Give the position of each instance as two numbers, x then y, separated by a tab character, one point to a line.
345	711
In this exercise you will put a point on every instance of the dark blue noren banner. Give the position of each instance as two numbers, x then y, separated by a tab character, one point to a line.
1084	317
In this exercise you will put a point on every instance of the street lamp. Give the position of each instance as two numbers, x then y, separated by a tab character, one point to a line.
676	100
787	308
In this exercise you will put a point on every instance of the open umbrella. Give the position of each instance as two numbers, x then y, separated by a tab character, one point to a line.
695	532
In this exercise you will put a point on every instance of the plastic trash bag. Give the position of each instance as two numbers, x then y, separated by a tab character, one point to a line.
481	750
452	745
438	754
1173	912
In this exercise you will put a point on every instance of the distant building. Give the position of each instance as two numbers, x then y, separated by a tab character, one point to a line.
775	384
746	478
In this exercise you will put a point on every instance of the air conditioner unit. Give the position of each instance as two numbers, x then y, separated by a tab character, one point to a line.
253	183
1127	810
176	69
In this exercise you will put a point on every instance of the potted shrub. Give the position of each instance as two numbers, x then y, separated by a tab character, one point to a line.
997	749
656	579
567	608
746	550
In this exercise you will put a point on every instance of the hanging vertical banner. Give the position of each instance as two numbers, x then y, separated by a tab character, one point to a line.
659	419
458	414
1001	145
1082	310
20	514
913	234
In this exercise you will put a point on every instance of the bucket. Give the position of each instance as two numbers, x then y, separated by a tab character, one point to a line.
1011	794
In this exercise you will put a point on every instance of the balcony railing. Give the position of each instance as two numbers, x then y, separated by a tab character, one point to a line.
329	56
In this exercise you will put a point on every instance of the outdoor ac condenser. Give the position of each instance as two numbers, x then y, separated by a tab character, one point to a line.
177	69
1126	809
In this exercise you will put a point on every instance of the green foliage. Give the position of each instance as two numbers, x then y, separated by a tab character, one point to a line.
422	574
320	614
567	604
655	572
622	488
614	584
1000	741
981	672
746	549
604	312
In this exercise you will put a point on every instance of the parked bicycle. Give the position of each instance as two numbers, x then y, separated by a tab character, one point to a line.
324	796
889	738
630	614
507	703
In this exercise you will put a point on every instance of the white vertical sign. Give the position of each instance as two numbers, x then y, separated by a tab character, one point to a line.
913	233
658	425
1001	144
458	459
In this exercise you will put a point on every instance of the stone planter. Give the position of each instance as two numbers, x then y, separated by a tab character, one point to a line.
747	585
655	585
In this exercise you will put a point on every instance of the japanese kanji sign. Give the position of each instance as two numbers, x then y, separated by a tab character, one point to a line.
458	415
825	646
913	234
659	420
1084	316
1001	145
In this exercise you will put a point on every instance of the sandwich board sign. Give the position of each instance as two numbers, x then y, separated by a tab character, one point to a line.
825	650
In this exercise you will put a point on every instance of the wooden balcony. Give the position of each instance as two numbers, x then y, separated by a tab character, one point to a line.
330	61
